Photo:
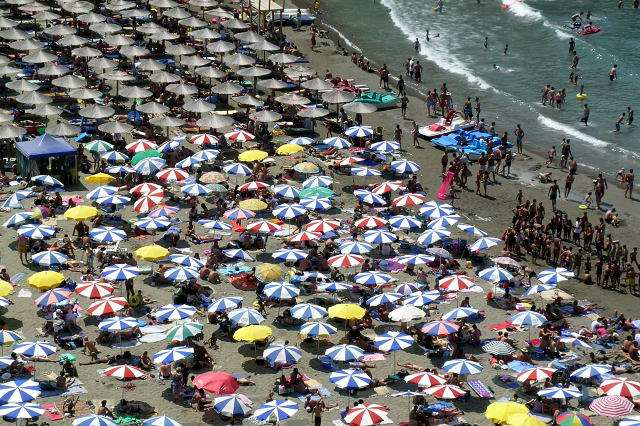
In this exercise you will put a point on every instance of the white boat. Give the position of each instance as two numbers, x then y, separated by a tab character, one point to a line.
454	121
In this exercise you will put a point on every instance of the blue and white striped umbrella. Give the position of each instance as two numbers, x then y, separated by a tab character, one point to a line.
149	166
120	272
495	274
337	142
113	200
177	353
238	254
575	342
187	162
237	169
206	155
18	219
317	182
363	171
404	222
462	367
174	312
49	258
217	225
8	336
334	287
405	166
117	324
384	299
434	210
308	311
630	421
93	420
282	354
114	170
160	420
12	202
276	411
459	313
289	255
556	392
114	157
359	131
37	231
317	328
19	390
280	291
355	247
350	379
444	222
432	236
385	146
245	316
302	141
286	191
591	370
107	234
484	243
224	303
379	236
416	259
47	180
344	353
101	192
181	274
230	405
152	223
24	410
406	289
31	349
316	203
529	318
420	298
392	341
168	146
184	260
369	197
471	230
372	278
538	288
195	189
289	211
554	275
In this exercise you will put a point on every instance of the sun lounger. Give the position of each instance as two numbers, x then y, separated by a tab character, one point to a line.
480	389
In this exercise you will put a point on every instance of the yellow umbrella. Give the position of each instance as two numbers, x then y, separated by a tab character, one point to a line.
252	333
252	155
45	280
6	288
153	252
522	419
306	167
100	179
499	412
253	204
288	149
347	311
268	272
81	213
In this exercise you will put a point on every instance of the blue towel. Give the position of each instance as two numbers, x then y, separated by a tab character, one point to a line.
519	366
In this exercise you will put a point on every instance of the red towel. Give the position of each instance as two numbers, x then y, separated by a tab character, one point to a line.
50	407
500	326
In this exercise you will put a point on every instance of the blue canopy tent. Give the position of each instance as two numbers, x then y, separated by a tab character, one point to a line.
47	155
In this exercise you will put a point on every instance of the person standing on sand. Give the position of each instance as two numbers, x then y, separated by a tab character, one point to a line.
568	183
397	136
628	182
553	194
585	115
415	134
551	155
519	137
404	101
401	89
444	161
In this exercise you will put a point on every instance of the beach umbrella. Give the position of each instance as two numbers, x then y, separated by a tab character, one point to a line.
308	311
35	349
495	274
286	191
415	259
536	374
379	236
183	330
538	288
462	367
172	175
145	188
316	203
554	275
627	421
174	312
36	231
94	289
253	333
263	227
620	387
439	328
431	236
484	243
316	328
522	419
237	169
47	180
406	289
224	303
305	236
19	390
366	414
176	353
120	272
317	181
350	379
334	287
169	146
124	372
346	311
7	336
556	392
107	234
282	354
425	379
231	405
216	382
392	341
52	297
108	305
611	406
215	225
49	258
404	166
117	324
252	155
93	420
496	347
289	211
408	200
140	145
345	261
498	412
370	222
181	274
459	313
406	313
45	280
204	139
472	230
359	131
444	222
160	421
528	318
280	291
149	166
368	197
144	204
275	411
114	157
268	272
337	142
455	283
576	419
289	255
591	370
21	410
404	222
445	391
245	316
99	146
81	213
152	224
420	298
113	200
575	342
338	97
385	146
355	247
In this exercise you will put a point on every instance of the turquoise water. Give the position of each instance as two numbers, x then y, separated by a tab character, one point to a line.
538	54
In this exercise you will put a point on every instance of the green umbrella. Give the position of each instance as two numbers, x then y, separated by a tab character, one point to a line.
319	191
216	187
149	153
99	146
184	330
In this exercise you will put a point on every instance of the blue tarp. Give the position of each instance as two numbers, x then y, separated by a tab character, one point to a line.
45	146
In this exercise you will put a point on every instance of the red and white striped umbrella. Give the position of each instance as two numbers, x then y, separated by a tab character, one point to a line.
253	186
322	225
204	139
425	379
388	186
620	387
108	305
455	283
239	135
408	200
145	188
146	203
172	175
124	372
370	222
141	145
345	260
536	374
304	236
263	227
366	414
611	406
94	289
445	391
350	161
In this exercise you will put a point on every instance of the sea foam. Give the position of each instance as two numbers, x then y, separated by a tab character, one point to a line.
571	131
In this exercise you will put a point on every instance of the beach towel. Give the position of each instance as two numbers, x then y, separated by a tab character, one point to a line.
500	326
52	412
519	366
480	389
372	357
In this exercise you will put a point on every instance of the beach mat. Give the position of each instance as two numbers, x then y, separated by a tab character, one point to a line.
52	412
480	389
500	326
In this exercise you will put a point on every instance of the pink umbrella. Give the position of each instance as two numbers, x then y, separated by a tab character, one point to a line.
253	186
204	139
146	203
94	289
371	222
455	283
440	328
75	198
366	414
620	387
141	145
611	406
536	374
263	227
408	200
388	186
445	391
172	175
425	380
304	236
146	188
163	210
322	225
108	305
124	372
239	135
350	161
345	260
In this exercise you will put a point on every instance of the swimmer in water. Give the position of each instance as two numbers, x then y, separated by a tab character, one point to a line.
486	42
613	72
506	48
496	67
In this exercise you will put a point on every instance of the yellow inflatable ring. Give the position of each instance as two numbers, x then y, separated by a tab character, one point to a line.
581	96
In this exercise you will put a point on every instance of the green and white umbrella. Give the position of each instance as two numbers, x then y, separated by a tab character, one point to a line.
181	331
99	146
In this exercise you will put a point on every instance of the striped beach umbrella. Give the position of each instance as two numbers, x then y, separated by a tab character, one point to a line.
187	163
359	132
286	191
117	324
333	287
432	236
204	139
94	289
108	305
392	341
408	200
484	243
253	186
37	231
245	316
497	347
575	342
379	236
263	227
404	166
140	145
152	223
355	247
350	379
181	274
188	261
280	291
149	166
367	414
459	313
8	336
195	189
304	236
462	367
337	142
276	411
384	299
124	372
591	370
627	421
174	312
420	298
172	174
344	353
216	225
578	419
434	210
316	203
53	297
98	146
18	219
373	278
231	405
388	186
370	222
536	374
289	211
206	155
238	135
101	192
554	275
119	169
183	330
538	288
317	328
19	390
345	261
620	386
289	255
317	182
224	303
93	420
557	392
425	379
363	171
404	222
308	311
163	210
160	421
385	146
455	283
238	214
415	259
471	230
47	180
120	272
113	200
495	274
282	354
21	410
368	197
35	349
237	254
322	225
444	222
528	318
147	202
445	391
439	328
611	406
406	289
177	353
237	169
145	188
